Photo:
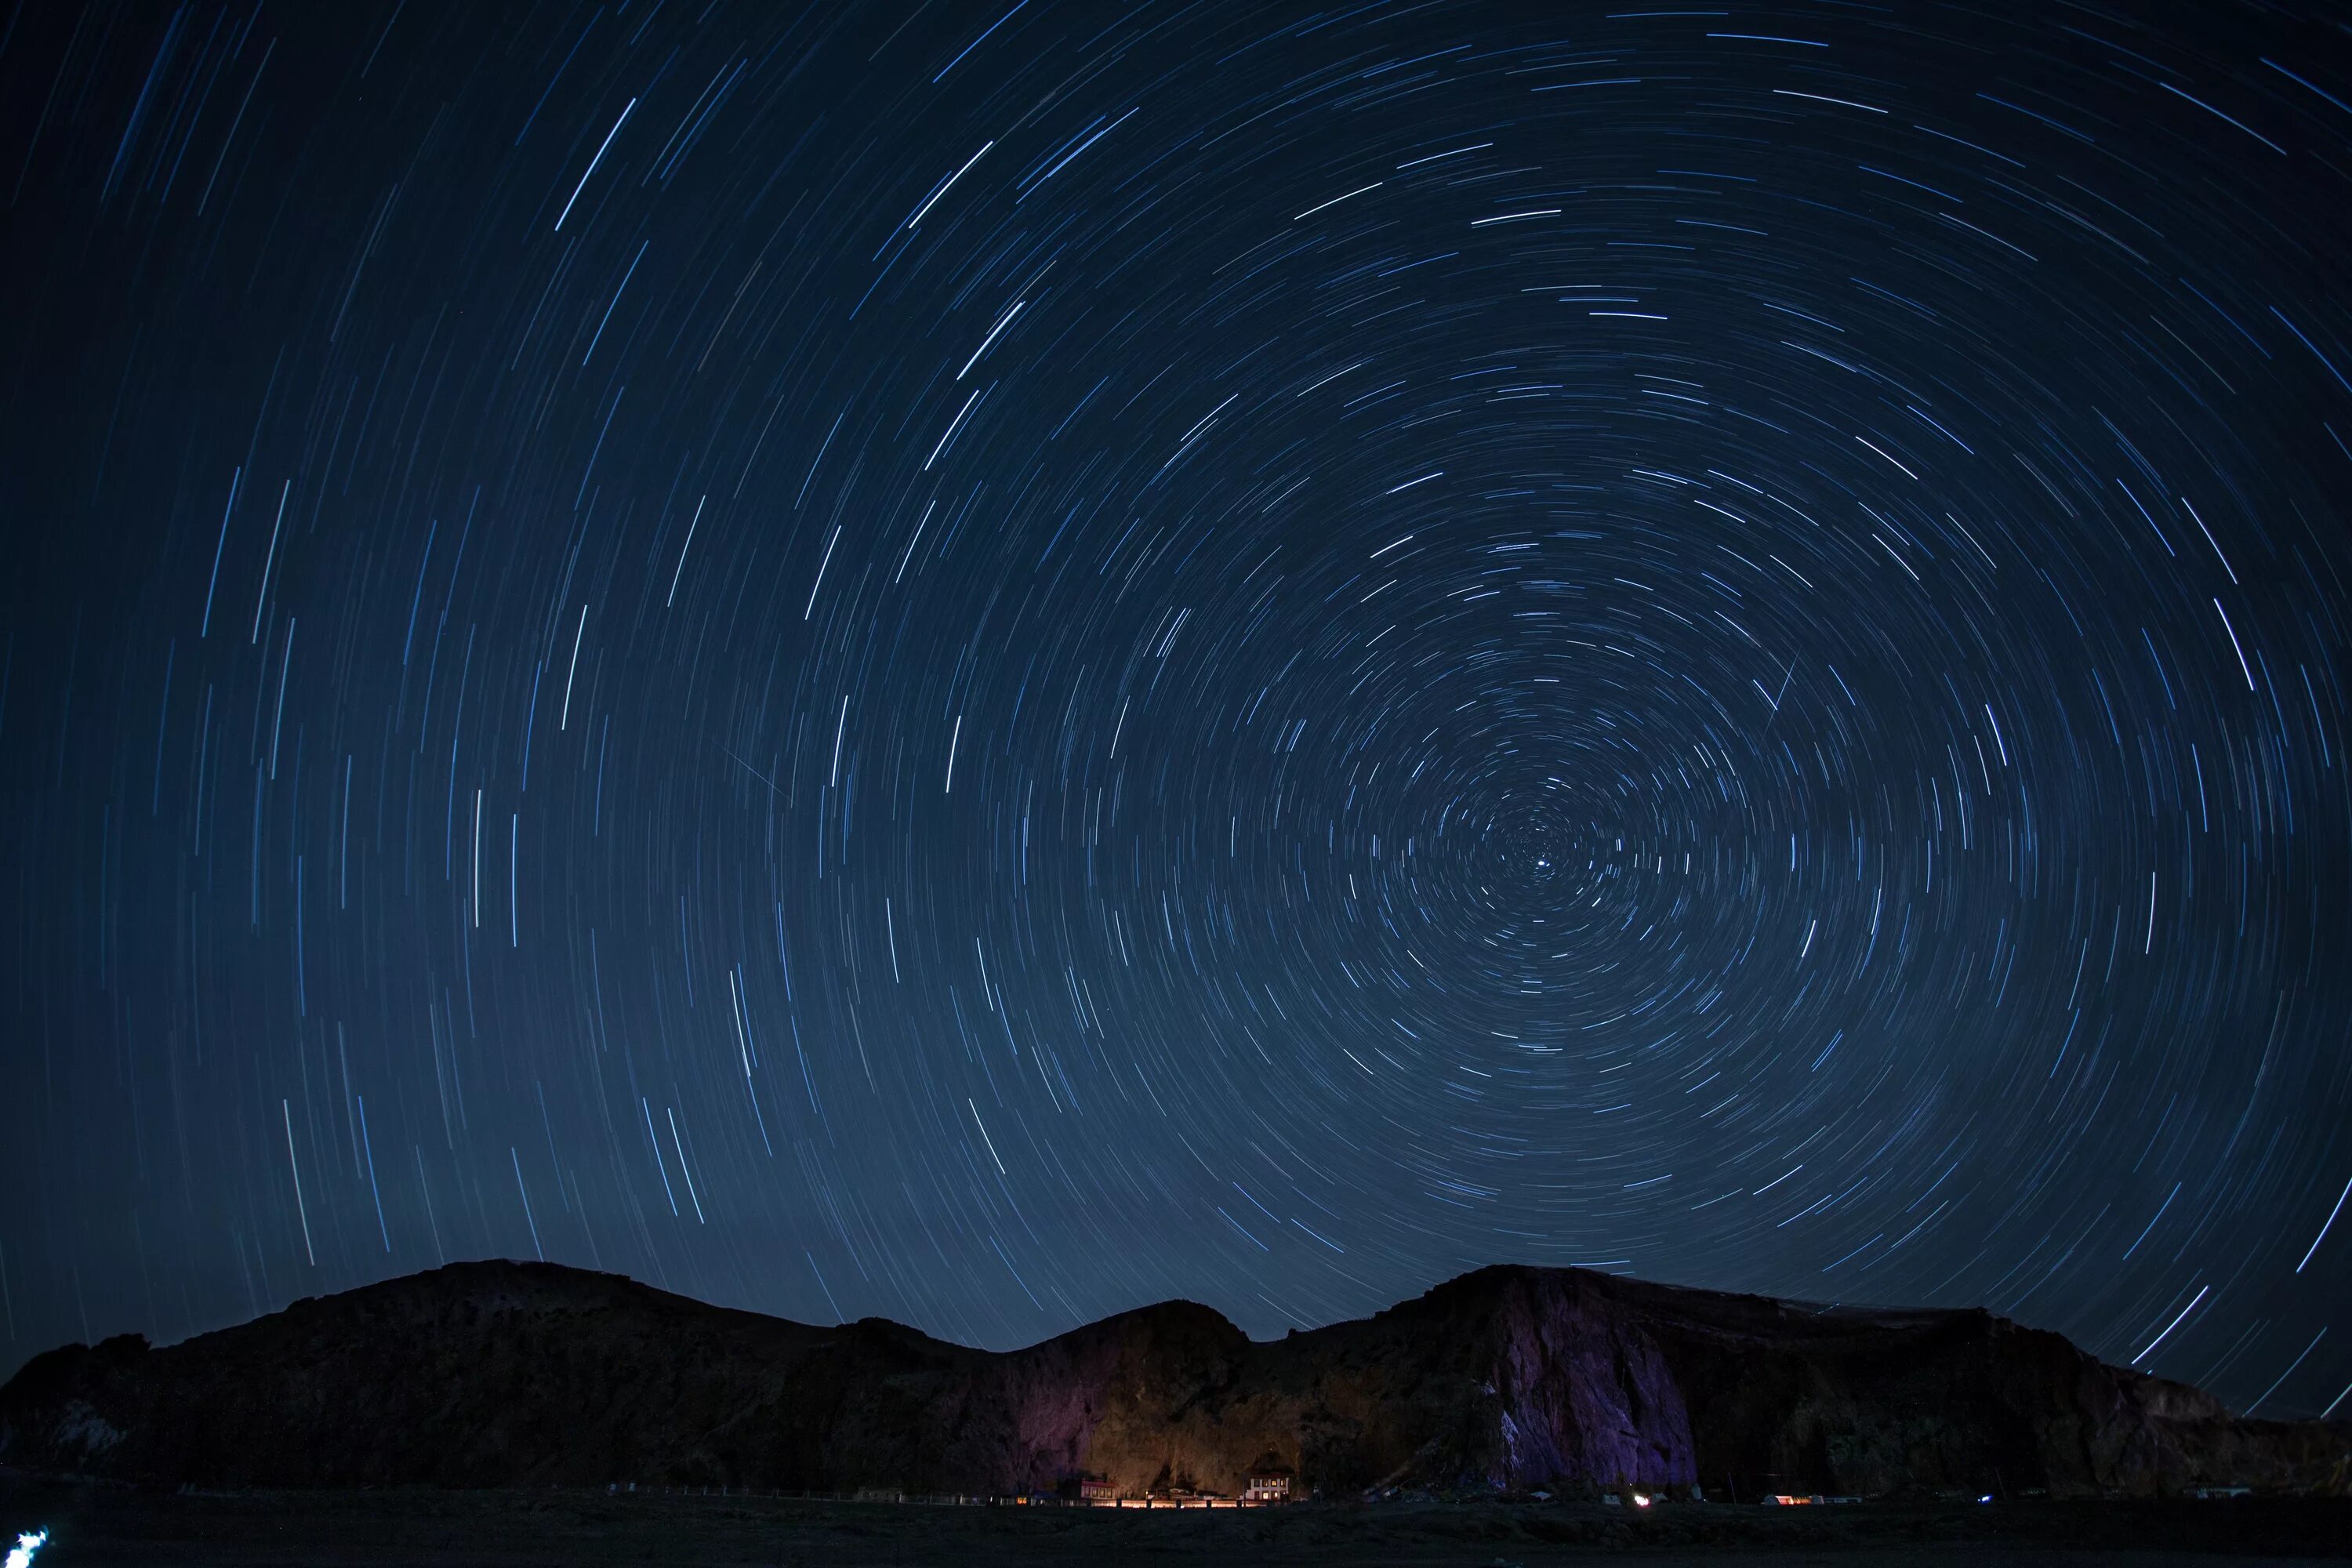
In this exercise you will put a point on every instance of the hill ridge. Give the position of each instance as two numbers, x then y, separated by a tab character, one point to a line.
1508	1377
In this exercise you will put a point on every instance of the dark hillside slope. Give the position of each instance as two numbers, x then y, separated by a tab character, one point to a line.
1509	1378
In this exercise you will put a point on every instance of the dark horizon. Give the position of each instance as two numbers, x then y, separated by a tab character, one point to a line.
1508	1383
1892	1309
984	664
1411	1294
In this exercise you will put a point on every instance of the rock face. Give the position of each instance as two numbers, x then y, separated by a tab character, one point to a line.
498	1374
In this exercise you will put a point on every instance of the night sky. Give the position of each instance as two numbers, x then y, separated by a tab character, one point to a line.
984	666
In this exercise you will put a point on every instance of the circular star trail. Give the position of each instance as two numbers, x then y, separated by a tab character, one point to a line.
983	665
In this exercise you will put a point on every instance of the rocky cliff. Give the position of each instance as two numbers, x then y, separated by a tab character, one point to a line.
1507	1379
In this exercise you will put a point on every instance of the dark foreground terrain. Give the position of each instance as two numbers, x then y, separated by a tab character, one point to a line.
1508	1380
110	1527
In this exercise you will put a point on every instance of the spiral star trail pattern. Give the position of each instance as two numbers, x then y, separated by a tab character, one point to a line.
984	666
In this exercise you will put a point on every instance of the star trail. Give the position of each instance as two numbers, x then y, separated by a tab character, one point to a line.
987	664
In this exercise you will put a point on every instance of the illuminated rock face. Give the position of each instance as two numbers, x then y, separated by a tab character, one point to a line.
492	1374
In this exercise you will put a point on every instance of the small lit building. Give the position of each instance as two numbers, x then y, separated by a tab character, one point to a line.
1269	1481
1094	1488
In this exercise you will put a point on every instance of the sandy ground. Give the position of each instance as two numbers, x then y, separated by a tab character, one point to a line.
110	1528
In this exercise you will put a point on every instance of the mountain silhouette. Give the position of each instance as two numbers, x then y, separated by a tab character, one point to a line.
1507	1379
